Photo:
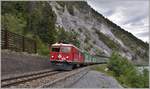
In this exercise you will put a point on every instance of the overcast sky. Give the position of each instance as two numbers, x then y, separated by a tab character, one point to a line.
132	15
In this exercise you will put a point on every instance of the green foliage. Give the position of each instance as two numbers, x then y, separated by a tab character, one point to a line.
145	78
32	19
126	73
102	68
36	20
43	49
14	23
13	7
67	37
42	22
119	64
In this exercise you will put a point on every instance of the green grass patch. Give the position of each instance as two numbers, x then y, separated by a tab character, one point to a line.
102	68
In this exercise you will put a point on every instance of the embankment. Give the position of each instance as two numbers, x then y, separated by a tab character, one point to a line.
18	63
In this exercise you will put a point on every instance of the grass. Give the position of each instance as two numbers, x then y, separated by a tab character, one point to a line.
102	68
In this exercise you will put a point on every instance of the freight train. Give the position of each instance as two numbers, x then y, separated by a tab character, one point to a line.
68	56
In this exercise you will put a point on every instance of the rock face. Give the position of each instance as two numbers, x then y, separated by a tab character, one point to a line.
96	33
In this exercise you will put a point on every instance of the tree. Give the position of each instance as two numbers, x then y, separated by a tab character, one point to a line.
67	37
127	73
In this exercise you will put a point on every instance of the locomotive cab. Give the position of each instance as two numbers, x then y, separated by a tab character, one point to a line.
61	53
65	56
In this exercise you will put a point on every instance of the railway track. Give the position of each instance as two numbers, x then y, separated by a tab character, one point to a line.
12	81
67	80
44	79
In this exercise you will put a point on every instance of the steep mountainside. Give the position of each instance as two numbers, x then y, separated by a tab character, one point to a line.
97	34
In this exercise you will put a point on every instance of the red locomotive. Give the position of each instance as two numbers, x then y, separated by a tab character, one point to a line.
66	56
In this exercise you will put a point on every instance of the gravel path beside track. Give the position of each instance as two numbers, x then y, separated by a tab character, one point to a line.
94	79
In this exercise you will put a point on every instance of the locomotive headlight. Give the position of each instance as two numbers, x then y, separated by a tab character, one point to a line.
67	57
52	56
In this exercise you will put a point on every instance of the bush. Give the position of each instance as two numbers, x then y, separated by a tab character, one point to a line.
126	73
13	23
145	78
67	37
42	48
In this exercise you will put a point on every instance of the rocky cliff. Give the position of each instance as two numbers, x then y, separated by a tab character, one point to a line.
97	34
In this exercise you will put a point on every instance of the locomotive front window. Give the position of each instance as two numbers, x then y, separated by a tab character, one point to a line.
55	49
65	49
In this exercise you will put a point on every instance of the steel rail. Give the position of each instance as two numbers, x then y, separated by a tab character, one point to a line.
17	80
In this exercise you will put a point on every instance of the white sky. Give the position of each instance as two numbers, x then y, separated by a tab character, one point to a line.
132	15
